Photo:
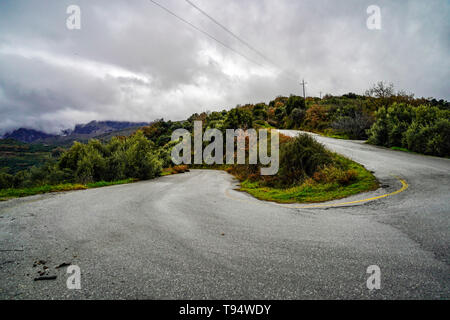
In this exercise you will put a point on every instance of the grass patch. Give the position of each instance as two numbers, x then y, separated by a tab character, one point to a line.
334	134
6	194
402	149
328	133
337	136
312	190
100	184
174	170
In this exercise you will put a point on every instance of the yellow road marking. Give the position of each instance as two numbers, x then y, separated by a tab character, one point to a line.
403	188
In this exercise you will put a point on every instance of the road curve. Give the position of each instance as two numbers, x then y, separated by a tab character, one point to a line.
191	236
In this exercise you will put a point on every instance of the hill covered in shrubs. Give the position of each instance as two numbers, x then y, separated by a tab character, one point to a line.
383	116
122	158
372	116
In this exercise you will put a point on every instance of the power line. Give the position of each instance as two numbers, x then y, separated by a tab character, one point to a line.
248	45
232	33
206	33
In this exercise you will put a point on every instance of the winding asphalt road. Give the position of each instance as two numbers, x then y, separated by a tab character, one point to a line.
192	236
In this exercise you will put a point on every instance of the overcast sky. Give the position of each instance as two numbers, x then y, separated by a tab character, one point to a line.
133	61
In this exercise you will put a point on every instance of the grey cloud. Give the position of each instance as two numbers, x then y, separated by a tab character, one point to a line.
133	61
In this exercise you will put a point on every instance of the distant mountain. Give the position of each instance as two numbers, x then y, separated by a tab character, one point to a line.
101	127
81	132
27	135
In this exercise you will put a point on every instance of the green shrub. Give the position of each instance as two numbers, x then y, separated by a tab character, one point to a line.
316	117
390	125
353	126
238	118
116	166
333	173
424	129
70	158
259	112
295	102
429	139
301	157
399	118
134	157
141	159
6	180
297	117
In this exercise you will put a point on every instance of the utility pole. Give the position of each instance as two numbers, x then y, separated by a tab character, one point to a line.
303	84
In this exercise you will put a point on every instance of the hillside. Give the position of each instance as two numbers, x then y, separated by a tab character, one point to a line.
16	156
27	135
24	148
81	132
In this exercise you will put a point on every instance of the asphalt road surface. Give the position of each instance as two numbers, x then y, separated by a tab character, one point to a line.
191	236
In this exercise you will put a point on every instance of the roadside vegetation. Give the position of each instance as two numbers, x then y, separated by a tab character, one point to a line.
6	194
18	156
308	172
382	115
421	129
175	170
90	165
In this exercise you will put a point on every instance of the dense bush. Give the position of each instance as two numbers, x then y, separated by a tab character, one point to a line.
303	161
433	139
294	102
379	133
297	117
316	118
260	111
351	118
332	174
122	158
301	157
238	118
6	180
354	126
134	157
424	129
